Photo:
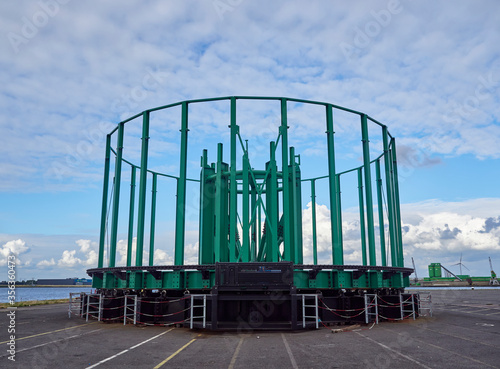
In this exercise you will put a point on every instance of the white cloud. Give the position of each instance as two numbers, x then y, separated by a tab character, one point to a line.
15	247
46	263
89	251
162	258
68	259
471	228
290	52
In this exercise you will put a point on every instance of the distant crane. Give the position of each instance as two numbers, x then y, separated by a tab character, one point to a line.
460	263
415	270
493	279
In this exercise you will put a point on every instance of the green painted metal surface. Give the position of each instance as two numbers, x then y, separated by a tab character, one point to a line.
104	206
131	212
362	225
142	189
180	219
254	214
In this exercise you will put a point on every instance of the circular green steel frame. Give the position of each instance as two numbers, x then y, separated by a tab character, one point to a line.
223	186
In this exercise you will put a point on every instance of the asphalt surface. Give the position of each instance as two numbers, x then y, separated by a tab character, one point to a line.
464	332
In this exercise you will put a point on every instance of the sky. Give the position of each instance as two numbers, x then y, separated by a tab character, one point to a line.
70	71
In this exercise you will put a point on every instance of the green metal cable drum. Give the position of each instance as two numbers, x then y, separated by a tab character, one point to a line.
250	180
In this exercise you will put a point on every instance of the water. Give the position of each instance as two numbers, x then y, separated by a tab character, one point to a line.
41	293
427	288
51	293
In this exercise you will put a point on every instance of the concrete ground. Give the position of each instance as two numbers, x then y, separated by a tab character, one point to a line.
464	332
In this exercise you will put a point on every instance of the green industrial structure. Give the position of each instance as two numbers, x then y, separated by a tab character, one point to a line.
250	237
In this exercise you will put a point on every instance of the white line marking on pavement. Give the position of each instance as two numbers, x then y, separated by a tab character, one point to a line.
127	350
48	343
396	352
236	352
292	359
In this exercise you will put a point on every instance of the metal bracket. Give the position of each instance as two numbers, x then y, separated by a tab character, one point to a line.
388	275
313	273
205	274
120	274
155	273
356	274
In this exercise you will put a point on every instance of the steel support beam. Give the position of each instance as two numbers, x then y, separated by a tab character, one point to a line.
104	206
313	220
362	216
116	198
295	209
368	190
207	210
397	205
287	224
233	191
380	206
245	250
272	208
336	226
130	238
180	218
389	188
338	195
142	189
255	229
153	220
221	209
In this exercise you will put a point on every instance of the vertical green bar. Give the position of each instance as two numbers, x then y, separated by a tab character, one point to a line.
220	232
393	208
389	189
245	256
104	207
180	215
116	199
336	227
142	189
380	207
287	244
272	209
233	209
368	190
259	228
338	195
153	221
207	210
131	215
362	216
313	221
255	227
295	209
397	205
